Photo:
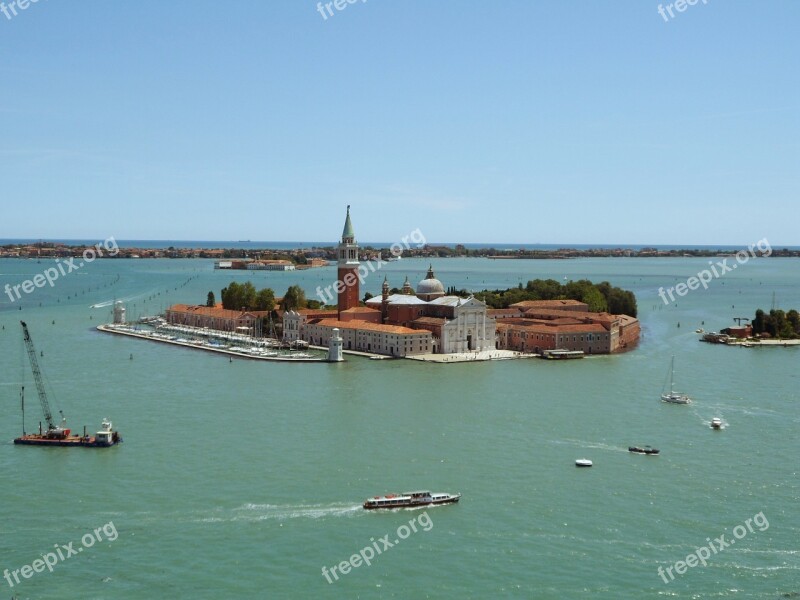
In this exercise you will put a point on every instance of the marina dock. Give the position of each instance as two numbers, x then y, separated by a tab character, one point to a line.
141	334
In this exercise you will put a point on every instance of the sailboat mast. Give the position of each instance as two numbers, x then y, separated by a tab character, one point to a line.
672	375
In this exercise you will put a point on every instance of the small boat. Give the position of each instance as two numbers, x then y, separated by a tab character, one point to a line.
583	462
646	450
410	499
716	423
673	396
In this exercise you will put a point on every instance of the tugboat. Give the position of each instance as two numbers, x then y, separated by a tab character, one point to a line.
646	450
58	435
410	499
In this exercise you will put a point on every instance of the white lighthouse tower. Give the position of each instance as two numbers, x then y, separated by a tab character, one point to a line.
119	313
335	347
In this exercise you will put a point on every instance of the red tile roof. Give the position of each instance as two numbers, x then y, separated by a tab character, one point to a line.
366	326
548	304
317	313
569	314
430	320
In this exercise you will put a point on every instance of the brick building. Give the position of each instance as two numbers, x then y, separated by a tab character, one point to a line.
569	327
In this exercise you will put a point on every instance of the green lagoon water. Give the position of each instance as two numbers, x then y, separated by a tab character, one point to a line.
244	479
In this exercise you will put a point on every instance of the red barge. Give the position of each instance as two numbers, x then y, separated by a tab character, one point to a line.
104	438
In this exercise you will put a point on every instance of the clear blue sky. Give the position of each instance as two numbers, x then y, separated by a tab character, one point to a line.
475	121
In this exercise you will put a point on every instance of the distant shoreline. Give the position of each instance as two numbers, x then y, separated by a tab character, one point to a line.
301	255
308	245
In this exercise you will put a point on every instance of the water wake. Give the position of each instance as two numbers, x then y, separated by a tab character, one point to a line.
587	444
265	512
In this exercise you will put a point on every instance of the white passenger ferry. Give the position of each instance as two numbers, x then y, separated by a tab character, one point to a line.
410	499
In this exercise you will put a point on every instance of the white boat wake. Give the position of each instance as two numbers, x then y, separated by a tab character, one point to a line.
266	512
587	444
107	303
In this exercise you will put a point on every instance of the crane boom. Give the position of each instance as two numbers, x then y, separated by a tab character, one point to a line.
37	377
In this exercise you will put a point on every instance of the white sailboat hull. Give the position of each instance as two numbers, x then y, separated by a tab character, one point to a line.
676	398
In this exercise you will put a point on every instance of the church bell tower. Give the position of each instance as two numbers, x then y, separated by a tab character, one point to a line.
347	284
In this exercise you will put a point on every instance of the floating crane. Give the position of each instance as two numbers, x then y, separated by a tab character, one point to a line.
58	435
54	432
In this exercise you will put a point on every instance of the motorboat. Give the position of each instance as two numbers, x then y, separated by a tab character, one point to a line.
716	423
583	462
645	450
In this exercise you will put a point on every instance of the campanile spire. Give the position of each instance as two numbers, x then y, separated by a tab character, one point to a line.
347	284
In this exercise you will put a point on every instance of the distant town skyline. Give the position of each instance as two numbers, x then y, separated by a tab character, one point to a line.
519	123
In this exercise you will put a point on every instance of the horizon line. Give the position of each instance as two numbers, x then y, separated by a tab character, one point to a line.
374	243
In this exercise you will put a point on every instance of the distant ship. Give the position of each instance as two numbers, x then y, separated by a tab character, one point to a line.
410	499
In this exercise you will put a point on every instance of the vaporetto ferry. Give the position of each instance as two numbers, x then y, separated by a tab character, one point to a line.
410	499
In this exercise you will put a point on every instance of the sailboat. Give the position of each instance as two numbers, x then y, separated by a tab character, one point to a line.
673	396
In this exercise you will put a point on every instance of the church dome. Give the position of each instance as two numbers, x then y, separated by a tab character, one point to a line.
430	287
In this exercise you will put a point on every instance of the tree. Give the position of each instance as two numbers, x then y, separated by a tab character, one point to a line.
759	323
622	302
227	294
265	299
794	318
544	289
595	300
210	300
294	298
239	296
781	326
367	296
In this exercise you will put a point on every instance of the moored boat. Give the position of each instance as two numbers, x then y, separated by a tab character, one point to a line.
410	499
562	354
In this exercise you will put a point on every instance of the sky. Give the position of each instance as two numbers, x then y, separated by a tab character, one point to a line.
514	121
